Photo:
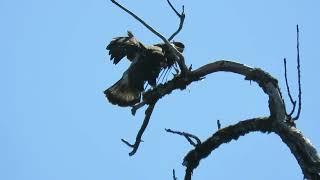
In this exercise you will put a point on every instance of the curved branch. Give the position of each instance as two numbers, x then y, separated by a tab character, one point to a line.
265	81
181	17
225	135
293	102
302	149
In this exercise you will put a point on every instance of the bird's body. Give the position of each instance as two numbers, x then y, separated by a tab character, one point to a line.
146	64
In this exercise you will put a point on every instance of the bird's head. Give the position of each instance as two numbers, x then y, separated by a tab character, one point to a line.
179	46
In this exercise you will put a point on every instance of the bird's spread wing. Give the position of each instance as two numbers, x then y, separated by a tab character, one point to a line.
124	46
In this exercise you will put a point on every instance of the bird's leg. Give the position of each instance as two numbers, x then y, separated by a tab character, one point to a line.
176	68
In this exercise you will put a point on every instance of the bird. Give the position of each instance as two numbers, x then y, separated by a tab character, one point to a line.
146	64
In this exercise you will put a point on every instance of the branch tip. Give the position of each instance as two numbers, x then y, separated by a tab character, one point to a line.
127	143
218	124
174	175
293	102
299	76
188	136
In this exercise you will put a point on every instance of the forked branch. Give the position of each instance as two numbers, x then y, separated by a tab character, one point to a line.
301	148
172	49
135	146
293	102
181	16
188	136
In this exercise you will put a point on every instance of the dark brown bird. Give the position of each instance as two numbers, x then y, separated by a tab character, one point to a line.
146	64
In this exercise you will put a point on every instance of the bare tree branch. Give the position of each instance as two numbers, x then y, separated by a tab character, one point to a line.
141	21
188	136
225	135
265	81
181	17
172	49
174	9
293	102
188	173
299	76
299	146
174	175
135	146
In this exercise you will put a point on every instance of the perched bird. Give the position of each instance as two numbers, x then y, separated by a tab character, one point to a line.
146	64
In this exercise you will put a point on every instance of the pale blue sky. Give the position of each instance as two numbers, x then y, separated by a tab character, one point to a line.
55	123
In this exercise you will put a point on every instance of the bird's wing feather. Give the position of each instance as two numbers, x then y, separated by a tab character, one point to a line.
124	46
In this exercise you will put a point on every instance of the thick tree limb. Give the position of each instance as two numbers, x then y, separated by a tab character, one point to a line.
265	80
302	149
225	135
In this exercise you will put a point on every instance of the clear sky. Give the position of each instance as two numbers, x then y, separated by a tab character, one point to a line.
55	123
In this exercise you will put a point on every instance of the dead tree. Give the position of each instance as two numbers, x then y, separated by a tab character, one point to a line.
279	121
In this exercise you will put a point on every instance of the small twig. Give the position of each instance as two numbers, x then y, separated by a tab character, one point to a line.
181	16
286	78
127	143
174	175
218	124
174	9
293	102
136	107
135	146
299	76
188	136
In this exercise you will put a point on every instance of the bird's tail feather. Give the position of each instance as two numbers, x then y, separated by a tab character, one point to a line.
122	94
